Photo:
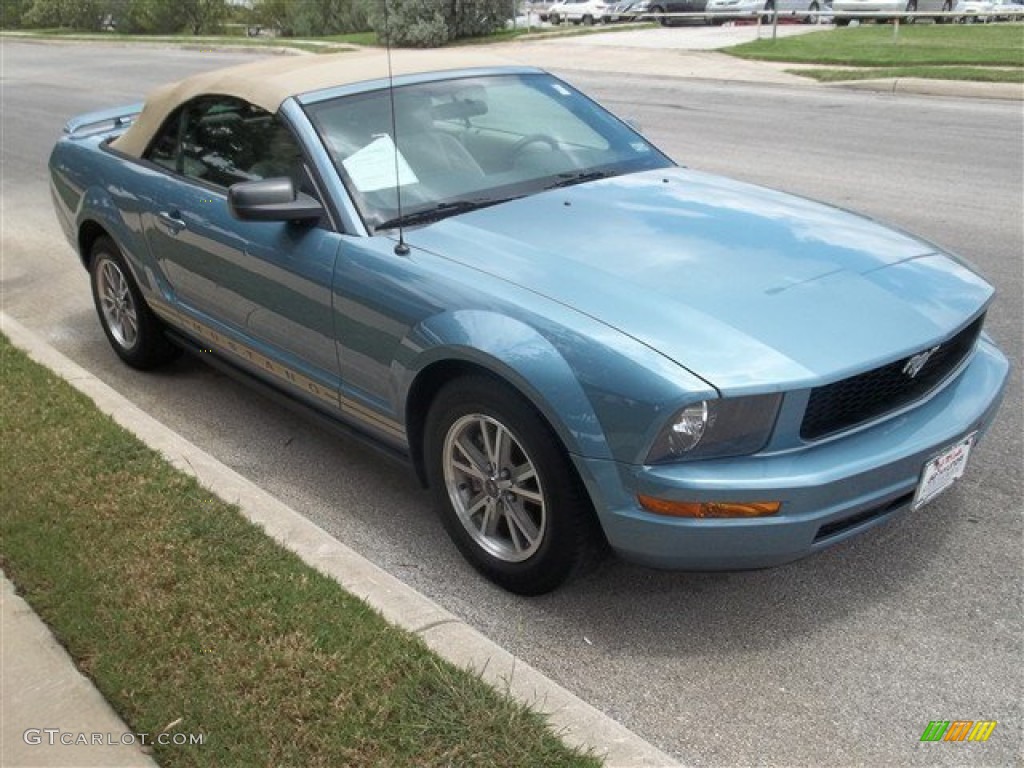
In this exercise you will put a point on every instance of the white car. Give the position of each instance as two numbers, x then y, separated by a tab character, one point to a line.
973	11
589	12
559	12
720	11
1008	10
846	11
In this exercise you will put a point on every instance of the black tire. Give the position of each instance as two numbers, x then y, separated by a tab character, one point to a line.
542	526
815	18
657	14
132	329
946	8
588	20
769	12
911	8
841	22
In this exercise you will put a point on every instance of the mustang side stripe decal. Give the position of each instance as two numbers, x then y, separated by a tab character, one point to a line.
284	373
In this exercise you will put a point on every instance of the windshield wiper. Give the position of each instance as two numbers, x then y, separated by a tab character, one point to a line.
580	177
440	211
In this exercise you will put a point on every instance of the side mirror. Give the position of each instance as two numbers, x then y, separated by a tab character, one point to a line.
271	200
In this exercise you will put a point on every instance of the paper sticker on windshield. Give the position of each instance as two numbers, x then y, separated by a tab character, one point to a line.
373	167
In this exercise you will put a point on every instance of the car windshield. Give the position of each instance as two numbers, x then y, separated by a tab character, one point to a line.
467	143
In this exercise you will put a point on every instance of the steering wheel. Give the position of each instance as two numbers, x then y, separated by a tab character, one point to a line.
533	138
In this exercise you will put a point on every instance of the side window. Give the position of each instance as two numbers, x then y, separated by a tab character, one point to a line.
222	140
164	149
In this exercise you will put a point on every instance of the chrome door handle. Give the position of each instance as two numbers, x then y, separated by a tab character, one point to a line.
171	221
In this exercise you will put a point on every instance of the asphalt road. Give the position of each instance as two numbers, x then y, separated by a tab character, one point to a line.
840	659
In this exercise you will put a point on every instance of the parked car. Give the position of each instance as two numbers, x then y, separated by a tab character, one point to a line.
625	11
720	11
656	10
845	11
559	12
974	11
1008	10
589	12
573	341
538	8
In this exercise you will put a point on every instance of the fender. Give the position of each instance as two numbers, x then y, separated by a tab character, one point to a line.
98	208
90	195
517	353
592	384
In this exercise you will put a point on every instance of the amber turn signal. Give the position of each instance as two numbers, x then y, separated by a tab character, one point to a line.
708	508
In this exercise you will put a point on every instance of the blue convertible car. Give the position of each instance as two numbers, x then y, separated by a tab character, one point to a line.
574	341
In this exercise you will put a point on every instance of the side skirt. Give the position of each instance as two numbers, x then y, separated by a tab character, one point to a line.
306	411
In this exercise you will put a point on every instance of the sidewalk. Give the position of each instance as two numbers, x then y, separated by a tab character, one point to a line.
43	690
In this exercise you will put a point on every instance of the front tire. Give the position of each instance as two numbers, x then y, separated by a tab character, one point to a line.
508	495
132	329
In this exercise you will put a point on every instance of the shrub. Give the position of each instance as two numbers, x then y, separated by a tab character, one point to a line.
432	23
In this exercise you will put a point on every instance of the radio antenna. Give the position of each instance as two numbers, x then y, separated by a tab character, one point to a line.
401	249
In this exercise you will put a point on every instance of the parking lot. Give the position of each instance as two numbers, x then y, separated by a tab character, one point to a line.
840	659
693	36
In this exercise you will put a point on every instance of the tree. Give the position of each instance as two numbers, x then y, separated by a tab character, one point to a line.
69	14
202	15
11	13
311	18
275	14
431	23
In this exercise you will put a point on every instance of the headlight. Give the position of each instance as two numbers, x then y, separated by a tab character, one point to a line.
735	426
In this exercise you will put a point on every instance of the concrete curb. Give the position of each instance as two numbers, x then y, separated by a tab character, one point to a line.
952	88
578	723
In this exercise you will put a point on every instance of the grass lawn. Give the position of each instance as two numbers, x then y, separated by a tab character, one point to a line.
983	53
177	607
873	45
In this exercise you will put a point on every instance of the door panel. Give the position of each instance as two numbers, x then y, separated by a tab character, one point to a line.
265	285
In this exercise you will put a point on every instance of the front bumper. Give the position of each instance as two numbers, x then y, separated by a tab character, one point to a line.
829	491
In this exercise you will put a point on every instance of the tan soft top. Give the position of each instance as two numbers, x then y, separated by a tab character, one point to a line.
268	82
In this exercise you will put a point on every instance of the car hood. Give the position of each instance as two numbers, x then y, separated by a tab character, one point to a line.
744	286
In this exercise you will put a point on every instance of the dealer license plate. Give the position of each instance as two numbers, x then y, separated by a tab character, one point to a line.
942	471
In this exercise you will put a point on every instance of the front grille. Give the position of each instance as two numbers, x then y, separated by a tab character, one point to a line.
866	396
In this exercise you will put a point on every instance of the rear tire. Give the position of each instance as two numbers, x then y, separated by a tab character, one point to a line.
132	329
507	492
